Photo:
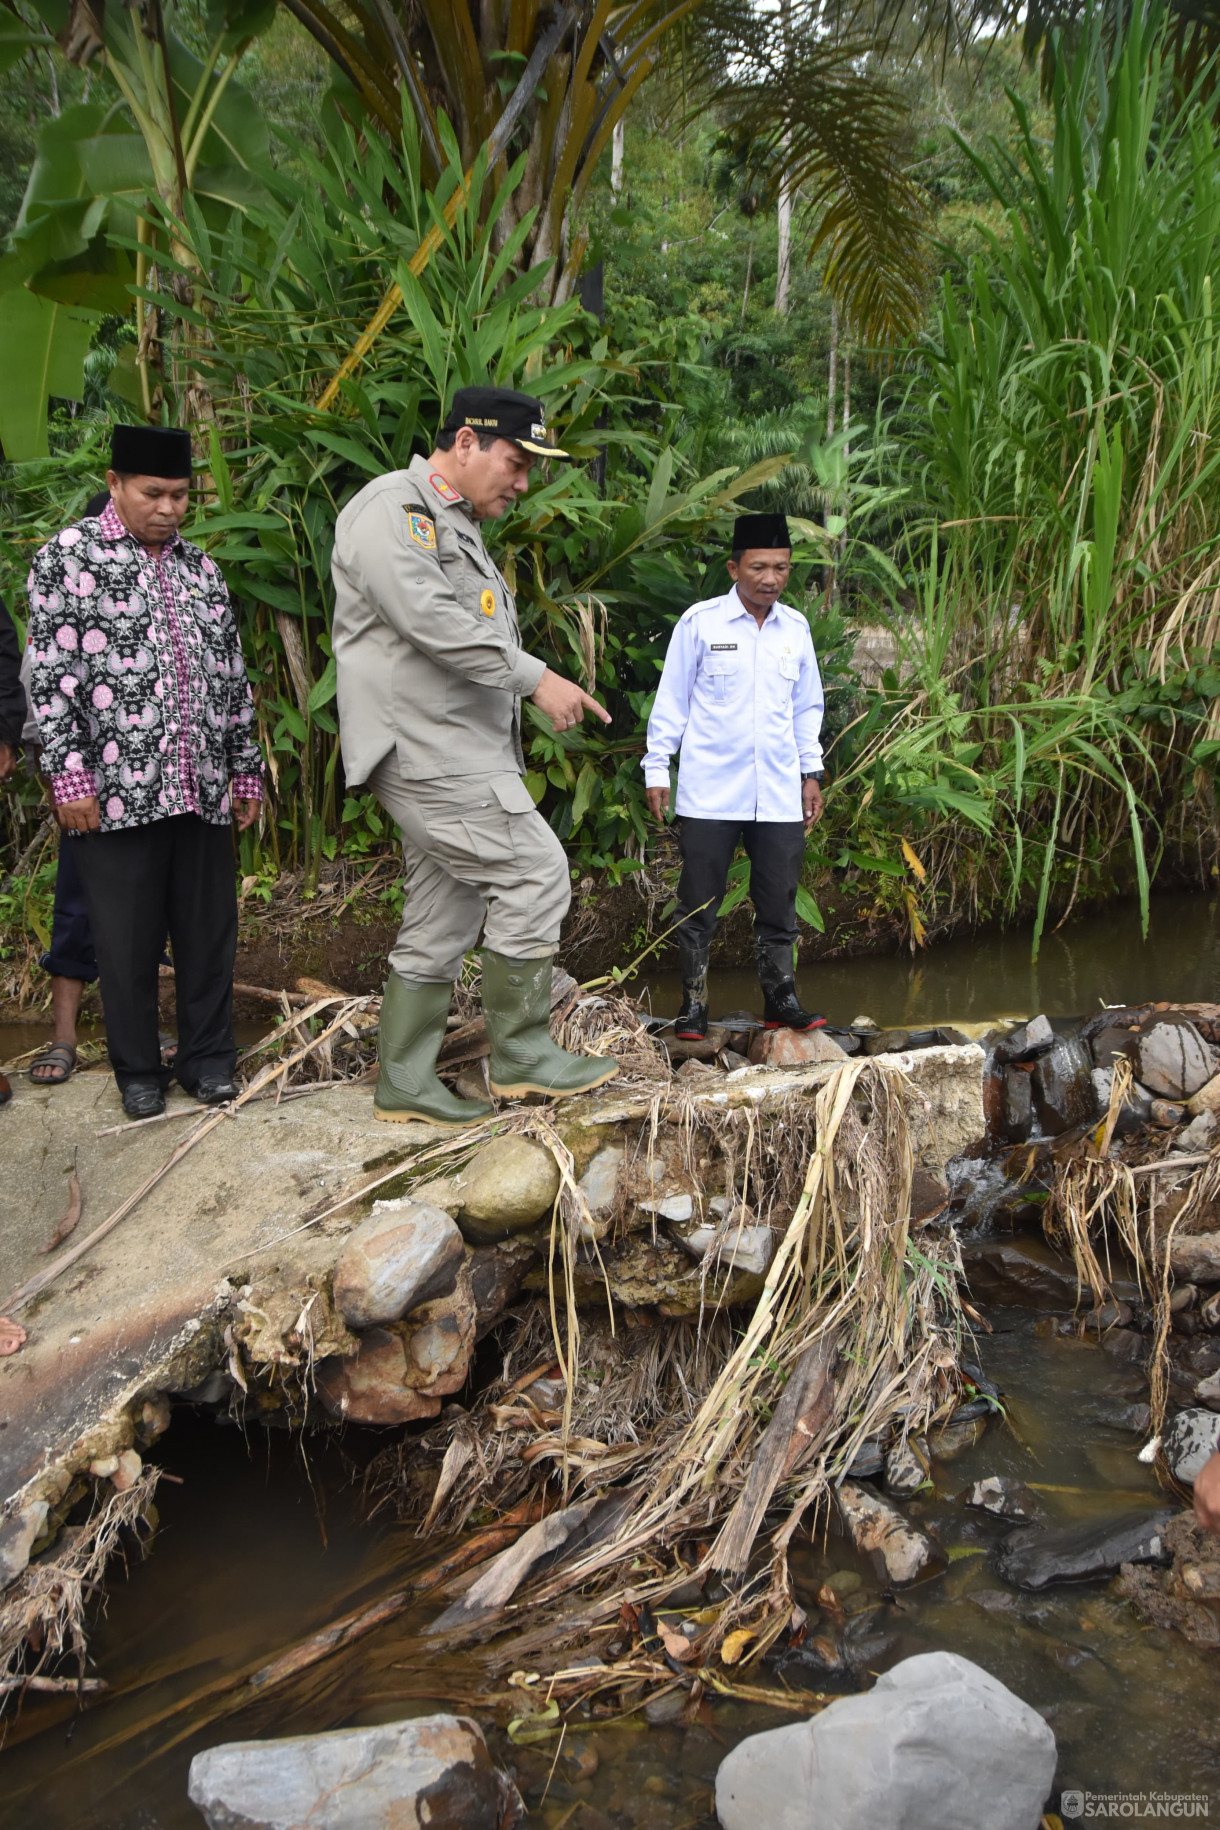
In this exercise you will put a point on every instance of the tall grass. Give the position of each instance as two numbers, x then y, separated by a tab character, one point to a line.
1057	724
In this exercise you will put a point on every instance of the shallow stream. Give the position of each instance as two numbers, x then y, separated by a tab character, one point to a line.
264	1540
258	1547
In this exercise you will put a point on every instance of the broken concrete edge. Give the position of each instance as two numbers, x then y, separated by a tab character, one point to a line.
948	1076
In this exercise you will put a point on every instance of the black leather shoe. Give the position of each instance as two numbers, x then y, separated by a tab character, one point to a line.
144	1099
215	1089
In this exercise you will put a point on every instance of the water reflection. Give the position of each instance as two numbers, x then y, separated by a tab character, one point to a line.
1100	958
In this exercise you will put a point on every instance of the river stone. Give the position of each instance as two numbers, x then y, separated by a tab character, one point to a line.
1005	1497
435	1771
372	1386
402	1254
781	1048
901	1551
600	1179
936	1744
506	1188
1063	1085
1198	1136
1027	1041
1196	1258
745	1248
887	1042
1174	1060
18	1535
1207	1391
1023	1271
1033	1558
907	1467
1189	1442
1018	1104
1207	1099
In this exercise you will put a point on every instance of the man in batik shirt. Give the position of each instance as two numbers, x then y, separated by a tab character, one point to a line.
145	720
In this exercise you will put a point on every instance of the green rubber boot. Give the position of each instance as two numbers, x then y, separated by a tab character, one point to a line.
517	1011
412	1030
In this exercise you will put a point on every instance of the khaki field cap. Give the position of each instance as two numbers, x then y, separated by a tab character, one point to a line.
518	417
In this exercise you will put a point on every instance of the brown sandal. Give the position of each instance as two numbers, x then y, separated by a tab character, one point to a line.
61	1056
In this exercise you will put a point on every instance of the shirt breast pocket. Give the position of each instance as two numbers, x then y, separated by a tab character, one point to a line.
722	673
789	674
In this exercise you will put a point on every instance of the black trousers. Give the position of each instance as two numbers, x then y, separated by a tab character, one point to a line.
776	850
176	876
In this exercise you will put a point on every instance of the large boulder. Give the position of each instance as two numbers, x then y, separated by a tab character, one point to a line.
1173	1059
435	1771
506	1188
401	1255
781	1048
937	1744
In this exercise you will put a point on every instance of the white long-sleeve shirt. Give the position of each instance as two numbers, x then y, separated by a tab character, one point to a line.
744	706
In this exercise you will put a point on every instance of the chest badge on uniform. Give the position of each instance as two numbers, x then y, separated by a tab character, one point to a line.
421	530
487	603
445	491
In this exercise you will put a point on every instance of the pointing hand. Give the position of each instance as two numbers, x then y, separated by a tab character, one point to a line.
563	702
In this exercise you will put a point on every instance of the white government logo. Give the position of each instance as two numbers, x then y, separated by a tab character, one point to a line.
1072	1804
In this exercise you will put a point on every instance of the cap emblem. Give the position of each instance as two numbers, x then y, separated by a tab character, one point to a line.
538	431
421	530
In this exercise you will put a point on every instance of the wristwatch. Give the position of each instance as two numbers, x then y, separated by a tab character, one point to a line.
815	775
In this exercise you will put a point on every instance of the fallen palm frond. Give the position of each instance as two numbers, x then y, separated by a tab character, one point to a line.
709	1427
46	1606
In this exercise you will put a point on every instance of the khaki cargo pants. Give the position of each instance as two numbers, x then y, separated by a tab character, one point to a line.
473	850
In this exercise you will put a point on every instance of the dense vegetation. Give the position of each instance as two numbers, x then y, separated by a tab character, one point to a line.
1022	490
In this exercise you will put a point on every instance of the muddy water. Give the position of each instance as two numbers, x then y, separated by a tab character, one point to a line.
1100	958
258	1547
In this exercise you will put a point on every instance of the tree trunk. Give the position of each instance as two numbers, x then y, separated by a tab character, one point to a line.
745	297
832	380
616	159
784	224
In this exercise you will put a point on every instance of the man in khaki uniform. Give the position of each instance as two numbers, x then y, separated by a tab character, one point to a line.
431	673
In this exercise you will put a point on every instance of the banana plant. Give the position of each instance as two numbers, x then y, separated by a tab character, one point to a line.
115	188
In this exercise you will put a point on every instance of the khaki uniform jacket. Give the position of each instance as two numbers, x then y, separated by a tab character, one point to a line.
428	654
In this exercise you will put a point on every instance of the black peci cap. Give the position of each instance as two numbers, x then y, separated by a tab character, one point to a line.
518	417
760	530
150	451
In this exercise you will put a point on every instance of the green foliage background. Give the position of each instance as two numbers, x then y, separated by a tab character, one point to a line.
1026	499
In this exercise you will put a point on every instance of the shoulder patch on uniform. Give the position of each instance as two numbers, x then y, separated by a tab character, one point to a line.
444	490
487	603
421	529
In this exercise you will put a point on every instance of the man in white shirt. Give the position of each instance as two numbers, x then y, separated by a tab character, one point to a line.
741	698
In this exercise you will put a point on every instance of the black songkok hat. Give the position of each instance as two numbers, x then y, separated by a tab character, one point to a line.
760	530
150	451
518	417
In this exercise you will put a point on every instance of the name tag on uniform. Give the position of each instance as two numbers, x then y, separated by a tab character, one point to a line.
724	647
421	530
